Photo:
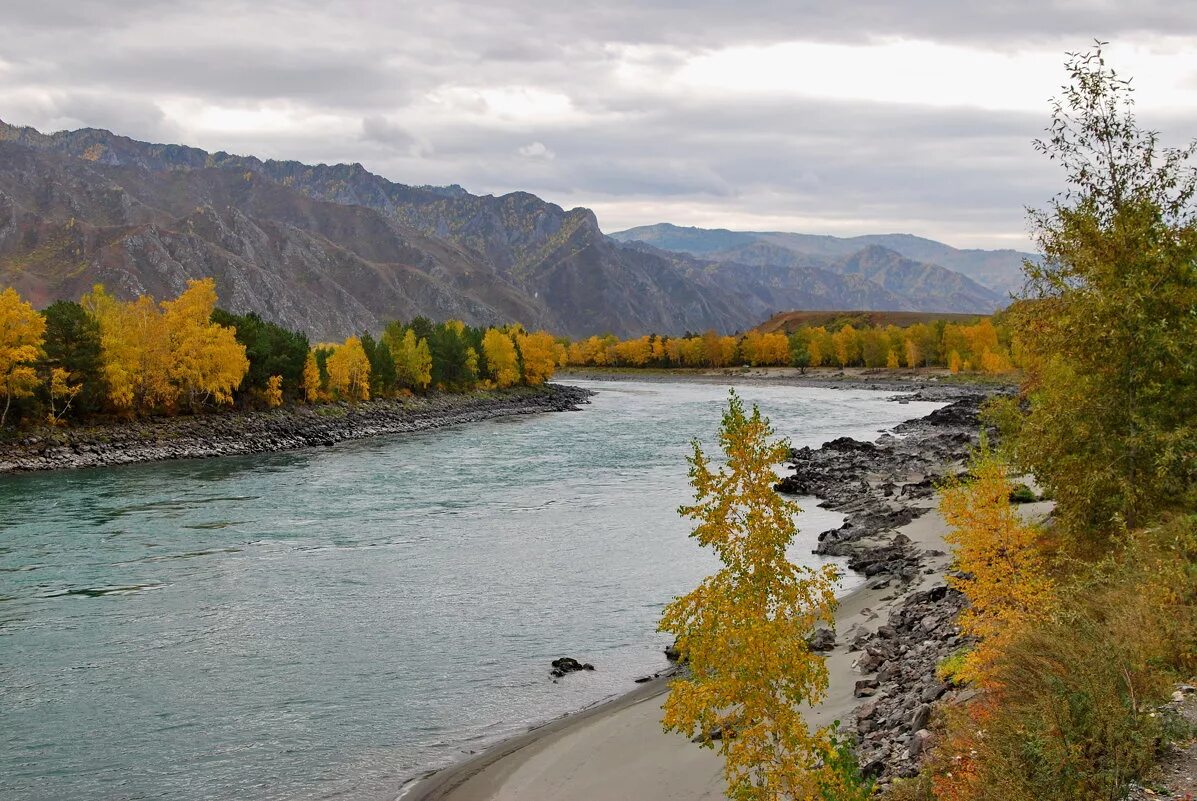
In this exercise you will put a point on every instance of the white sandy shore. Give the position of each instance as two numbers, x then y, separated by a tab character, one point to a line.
618	752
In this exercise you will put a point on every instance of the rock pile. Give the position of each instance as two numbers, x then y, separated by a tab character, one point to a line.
884	485
900	659
880	487
567	664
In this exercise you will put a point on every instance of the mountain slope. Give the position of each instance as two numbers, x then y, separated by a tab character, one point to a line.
334	249
997	270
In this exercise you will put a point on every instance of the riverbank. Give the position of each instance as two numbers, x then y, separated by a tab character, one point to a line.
288	428
932	383
890	635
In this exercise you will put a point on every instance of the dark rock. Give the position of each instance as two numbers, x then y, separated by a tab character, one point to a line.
821	640
567	664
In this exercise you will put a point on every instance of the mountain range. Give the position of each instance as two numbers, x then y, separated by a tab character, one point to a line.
336	249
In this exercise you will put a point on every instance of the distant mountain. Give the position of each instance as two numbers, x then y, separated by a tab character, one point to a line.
997	270
329	249
337	249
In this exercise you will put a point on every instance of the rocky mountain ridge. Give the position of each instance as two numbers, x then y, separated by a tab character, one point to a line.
997	270
335	249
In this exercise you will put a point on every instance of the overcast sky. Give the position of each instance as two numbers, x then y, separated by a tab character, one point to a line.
841	118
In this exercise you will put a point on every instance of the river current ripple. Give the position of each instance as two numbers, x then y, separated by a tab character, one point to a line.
329	623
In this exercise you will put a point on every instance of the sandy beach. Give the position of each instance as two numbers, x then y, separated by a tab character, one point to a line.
618	752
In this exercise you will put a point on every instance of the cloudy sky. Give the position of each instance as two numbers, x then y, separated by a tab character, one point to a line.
852	117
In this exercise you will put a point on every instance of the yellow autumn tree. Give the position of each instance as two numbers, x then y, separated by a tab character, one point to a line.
274	391
744	629
501	358
349	371
135	351
21	331
413	361
539	353
63	392
1001	570
206	360
312	391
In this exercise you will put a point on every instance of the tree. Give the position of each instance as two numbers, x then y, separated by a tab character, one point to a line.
21	330
413	360
1000	567
313	389
744	629
271	349
72	344
206	360
349	371
62	394
501	358
1107	330
382	366
134	350
538	354
274	392
454	361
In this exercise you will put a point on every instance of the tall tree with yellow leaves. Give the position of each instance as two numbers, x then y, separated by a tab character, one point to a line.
313	392
1002	570
744	628
413	359
134	351
501	359
349	371
206	360
21	330
539	354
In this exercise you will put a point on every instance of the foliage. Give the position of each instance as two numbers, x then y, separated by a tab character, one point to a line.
273	393
383	375
134	349
1073	715
205	361
1022	494
62	394
21	330
271	349
1001	570
503	366
1109	332
454	361
744	628
349	371
412	357
848	783
153	357
983	345
72	343
538	355
313	390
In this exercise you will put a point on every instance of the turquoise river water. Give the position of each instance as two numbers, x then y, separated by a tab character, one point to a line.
330	623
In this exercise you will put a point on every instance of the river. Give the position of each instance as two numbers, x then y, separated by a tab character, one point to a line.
330	623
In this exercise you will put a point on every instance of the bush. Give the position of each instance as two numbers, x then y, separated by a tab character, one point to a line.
1023	494
1073	716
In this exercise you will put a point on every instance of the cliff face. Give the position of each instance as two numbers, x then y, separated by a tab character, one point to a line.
337	249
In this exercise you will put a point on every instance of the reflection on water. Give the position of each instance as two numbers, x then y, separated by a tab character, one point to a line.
327	623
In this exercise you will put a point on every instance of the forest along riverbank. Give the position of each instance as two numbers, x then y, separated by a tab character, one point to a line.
890	635
237	433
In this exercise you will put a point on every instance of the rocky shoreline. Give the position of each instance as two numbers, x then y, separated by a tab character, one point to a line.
881	486
238	433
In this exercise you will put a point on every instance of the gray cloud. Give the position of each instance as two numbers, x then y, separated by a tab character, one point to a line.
409	89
